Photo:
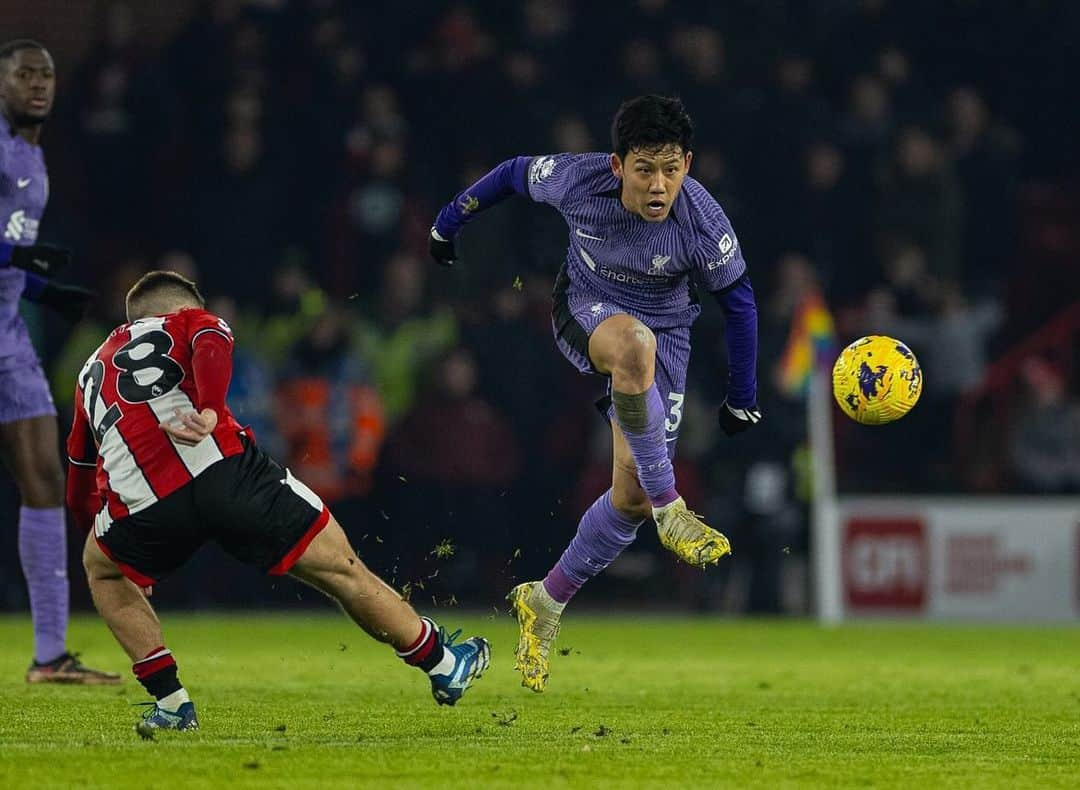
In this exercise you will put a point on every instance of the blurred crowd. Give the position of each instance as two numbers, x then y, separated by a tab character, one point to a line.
913	162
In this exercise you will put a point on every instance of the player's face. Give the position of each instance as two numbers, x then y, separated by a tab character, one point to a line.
651	180
28	85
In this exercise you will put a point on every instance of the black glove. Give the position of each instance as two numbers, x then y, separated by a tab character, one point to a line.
442	250
70	301
44	260
733	421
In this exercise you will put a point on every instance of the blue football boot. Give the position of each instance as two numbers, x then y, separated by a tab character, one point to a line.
471	659
156	718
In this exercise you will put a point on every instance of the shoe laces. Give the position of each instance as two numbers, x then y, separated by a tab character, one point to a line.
686	525
151	708
448	639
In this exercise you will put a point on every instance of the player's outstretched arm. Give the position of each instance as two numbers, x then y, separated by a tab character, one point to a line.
504	181
740	410
722	271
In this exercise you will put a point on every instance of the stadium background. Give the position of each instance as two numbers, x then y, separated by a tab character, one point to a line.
921	175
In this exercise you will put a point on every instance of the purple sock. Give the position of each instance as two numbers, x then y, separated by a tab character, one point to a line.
641	418
43	554
601	537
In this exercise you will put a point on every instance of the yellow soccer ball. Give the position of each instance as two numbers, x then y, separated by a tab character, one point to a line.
876	380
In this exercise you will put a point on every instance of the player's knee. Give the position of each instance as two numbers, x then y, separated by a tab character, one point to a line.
637	350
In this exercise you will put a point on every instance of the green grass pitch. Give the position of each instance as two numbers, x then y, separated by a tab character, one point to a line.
303	701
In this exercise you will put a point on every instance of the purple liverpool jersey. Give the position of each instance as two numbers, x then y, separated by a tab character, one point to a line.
24	191
616	256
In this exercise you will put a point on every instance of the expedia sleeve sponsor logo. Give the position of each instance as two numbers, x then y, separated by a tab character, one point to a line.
728	245
541	168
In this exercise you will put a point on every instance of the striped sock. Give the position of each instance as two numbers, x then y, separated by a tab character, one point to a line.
426	651
157	674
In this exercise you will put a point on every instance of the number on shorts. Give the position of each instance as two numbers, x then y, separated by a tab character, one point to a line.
146	369
671	424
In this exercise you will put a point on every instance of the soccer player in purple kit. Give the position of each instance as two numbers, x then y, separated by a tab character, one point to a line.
28	430
639	229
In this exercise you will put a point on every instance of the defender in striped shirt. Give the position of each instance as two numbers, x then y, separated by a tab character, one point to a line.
159	466
641	233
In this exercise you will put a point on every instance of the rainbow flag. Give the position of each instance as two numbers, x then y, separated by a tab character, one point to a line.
811	342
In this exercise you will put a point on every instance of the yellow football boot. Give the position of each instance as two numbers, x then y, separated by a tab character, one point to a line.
684	533
538	618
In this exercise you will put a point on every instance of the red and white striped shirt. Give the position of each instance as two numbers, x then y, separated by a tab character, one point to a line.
132	384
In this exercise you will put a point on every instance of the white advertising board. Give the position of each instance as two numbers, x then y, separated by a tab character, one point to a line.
978	558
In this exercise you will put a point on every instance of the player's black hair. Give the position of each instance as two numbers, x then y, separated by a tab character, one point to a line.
8	49
157	287
648	123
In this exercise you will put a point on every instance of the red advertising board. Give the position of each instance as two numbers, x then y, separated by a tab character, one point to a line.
885	564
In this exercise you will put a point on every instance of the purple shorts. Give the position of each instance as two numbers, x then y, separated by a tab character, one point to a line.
573	321
24	391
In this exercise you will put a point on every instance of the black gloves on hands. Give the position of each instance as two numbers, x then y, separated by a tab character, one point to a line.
70	301
733	421
44	260
442	250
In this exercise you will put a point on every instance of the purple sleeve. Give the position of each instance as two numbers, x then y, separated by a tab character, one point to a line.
505	180
741	335
552	177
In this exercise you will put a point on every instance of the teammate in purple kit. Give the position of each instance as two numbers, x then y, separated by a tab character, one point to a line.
640	230
28	432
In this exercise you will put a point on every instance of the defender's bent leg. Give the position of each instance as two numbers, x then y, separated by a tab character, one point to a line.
329	564
136	627
121	603
625	349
